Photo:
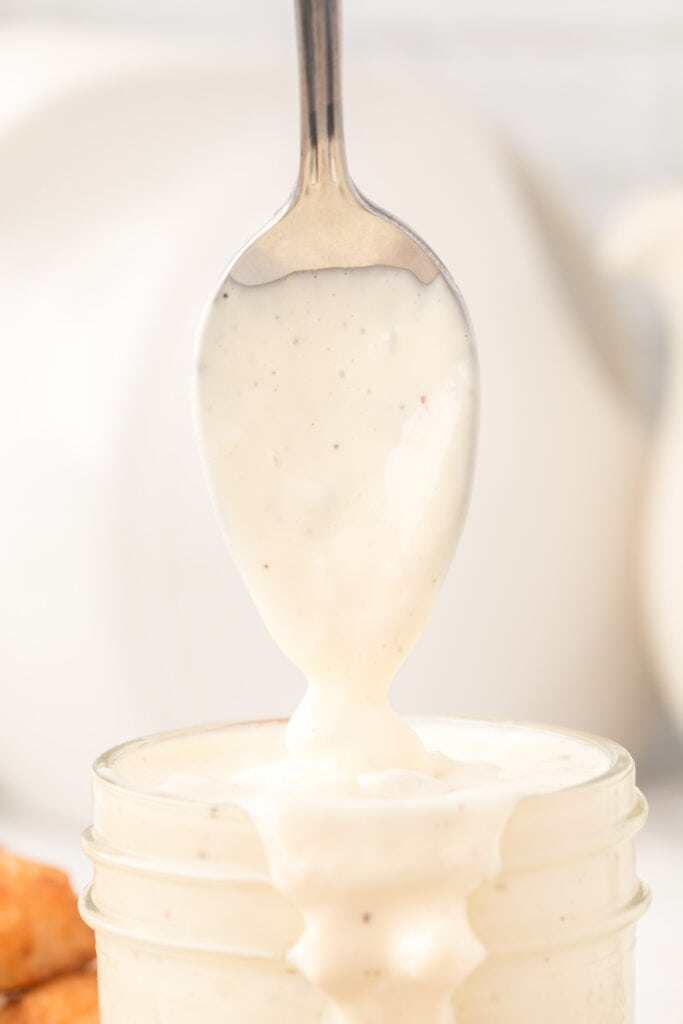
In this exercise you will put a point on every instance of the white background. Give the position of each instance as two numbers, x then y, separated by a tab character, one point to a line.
594	87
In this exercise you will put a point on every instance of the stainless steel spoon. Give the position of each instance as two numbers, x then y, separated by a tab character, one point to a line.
327	222
327	226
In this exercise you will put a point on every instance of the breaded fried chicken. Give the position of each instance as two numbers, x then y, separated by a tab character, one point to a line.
41	933
69	999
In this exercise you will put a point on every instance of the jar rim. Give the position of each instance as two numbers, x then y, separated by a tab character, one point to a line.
619	761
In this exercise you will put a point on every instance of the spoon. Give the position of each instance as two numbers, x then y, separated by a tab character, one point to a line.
336	403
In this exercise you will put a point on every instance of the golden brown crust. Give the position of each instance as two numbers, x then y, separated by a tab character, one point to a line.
71	999
41	933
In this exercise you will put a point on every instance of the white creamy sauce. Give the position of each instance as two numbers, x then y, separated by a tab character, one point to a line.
338	412
381	866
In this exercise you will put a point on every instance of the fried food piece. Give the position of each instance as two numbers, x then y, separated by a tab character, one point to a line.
71	999
41	933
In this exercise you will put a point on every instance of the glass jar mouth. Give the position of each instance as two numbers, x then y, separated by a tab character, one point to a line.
169	820
618	762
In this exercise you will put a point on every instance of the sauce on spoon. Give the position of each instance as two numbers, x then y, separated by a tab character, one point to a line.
338	412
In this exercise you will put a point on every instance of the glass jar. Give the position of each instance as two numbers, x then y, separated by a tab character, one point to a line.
190	929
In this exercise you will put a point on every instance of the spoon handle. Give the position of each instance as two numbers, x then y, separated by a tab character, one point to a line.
323	160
